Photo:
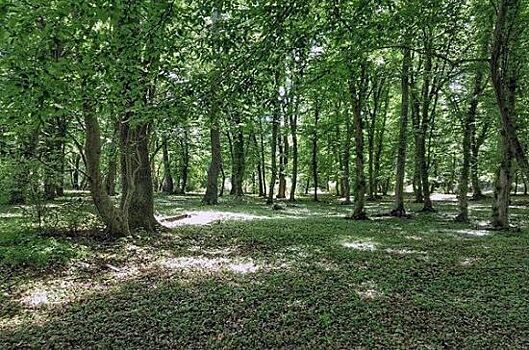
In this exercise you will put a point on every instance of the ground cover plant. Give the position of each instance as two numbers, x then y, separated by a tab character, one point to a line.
245	276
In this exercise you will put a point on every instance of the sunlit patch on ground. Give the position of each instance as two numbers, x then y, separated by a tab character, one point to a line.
468	261
208	265
361	245
473	232
414	238
8	215
404	251
200	218
368	291
443	197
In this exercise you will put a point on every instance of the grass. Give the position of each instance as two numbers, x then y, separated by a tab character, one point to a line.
297	278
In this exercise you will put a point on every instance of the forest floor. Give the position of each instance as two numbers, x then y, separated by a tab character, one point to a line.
240	275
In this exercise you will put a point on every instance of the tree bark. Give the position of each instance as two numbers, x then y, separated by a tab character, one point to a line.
114	218
314	140
399	210
469	124
211	195
357	90
167	183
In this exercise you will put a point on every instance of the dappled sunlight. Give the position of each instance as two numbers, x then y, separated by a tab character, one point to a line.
205	264
200	218
368	291
468	261
404	251
361	245
11	215
443	197
473	232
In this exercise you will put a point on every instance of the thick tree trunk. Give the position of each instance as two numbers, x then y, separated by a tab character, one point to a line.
502	187
399	210
504	76
211	195
141	207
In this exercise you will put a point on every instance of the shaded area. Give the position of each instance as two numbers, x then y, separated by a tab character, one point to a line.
318	282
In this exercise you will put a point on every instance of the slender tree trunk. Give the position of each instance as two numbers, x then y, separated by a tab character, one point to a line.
184	169
469	125
379	144
314	162
477	142
347	159
167	183
399	210
358	93
295	151
281	192
417	181
273	170
423	131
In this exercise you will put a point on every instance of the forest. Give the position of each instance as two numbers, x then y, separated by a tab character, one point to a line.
264	174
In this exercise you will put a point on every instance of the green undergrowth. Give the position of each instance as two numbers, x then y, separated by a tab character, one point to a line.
302	277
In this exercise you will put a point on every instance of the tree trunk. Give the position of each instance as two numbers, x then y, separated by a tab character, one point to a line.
115	220
358	93
400	210
141	208
502	188
476	143
295	151
167	183
110	179
314	162
469	124
211	195
184	169
273	170
423	131
504	76
346	180
417	182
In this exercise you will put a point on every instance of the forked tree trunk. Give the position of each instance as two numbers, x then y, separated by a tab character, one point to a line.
115	219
